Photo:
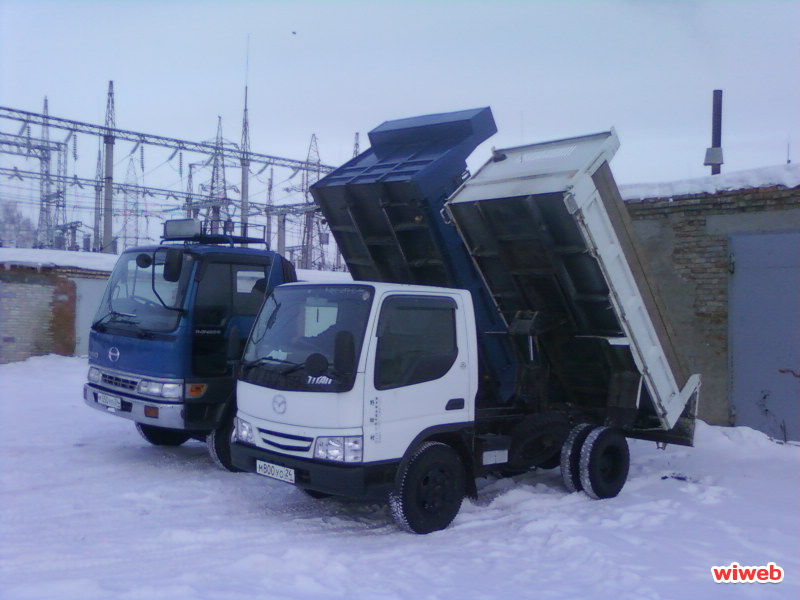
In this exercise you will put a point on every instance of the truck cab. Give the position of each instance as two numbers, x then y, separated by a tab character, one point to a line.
170	329
337	381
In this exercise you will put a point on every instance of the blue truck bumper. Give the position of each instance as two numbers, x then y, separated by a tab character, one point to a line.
169	414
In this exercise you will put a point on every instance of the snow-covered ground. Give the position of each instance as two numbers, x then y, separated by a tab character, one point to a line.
91	511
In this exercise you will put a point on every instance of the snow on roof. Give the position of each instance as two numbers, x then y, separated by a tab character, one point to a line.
34	257
97	261
783	175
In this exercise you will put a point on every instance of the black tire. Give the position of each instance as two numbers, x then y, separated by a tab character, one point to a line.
571	457
604	464
315	494
161	436
430	490
219	444
536	442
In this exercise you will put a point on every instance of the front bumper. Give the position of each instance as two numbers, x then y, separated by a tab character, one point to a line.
170	414
364	480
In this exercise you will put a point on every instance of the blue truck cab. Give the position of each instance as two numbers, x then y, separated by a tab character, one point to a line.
169	332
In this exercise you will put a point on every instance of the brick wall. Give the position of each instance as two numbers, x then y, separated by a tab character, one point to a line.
686	241
37	314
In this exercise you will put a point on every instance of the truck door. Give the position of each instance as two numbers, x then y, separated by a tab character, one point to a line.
228	297
417	372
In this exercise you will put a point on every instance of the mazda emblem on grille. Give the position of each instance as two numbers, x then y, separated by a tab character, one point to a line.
113	354
279	404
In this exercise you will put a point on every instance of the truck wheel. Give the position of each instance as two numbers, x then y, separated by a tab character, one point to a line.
604	463
219	444
161	436
536	442
430	490
315	494
571	457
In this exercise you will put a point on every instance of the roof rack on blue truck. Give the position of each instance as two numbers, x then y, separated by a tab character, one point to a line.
383	208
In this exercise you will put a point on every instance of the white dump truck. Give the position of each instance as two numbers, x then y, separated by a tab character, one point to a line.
496	323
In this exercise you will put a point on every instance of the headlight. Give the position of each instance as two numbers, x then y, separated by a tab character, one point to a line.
151	388
341	449
94	375
172	391
243	431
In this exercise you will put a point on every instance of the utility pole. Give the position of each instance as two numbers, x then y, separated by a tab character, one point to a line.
282	234
268	211
108	176
245	162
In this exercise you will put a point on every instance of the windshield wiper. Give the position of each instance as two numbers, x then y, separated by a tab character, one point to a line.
115	313
263	359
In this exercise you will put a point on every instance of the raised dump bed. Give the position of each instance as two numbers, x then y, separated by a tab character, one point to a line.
547	229
383	208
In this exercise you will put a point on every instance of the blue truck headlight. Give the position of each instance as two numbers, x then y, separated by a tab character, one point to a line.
340	449
151	388
243	431
94	375
172	390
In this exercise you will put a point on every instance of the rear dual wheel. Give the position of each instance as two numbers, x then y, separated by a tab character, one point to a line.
595	460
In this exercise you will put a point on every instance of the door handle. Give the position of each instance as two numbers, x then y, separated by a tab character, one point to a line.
454	404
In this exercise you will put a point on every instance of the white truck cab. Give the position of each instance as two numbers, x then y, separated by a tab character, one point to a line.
339	380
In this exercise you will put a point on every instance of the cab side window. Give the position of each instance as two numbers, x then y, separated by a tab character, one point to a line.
416	340
212	306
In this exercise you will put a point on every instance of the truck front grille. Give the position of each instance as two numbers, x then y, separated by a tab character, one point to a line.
119	382
286	441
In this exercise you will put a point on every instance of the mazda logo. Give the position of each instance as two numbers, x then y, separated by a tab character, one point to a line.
113	354
279	404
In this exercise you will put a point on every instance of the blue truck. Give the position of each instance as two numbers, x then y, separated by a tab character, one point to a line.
165	343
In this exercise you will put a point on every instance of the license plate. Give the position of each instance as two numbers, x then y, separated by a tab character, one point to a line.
109	400
275	471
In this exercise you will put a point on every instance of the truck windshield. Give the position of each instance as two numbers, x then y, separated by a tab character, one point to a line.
139	298
299	321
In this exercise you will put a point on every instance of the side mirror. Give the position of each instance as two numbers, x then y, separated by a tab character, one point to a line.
344	353
316	365
173	263
144	260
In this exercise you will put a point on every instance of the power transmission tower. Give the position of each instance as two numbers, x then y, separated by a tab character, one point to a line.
97	235
245	163
356	146
45	231
217	189
108	174
310	177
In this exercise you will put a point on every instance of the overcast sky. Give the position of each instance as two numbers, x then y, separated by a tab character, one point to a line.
548	70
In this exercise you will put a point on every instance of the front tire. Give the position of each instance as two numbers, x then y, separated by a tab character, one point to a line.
219	445
430	490
160	436
605	460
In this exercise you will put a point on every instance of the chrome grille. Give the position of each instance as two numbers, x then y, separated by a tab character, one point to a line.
119	382
286	441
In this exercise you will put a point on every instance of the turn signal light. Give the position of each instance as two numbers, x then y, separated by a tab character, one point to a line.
195	390
151	411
